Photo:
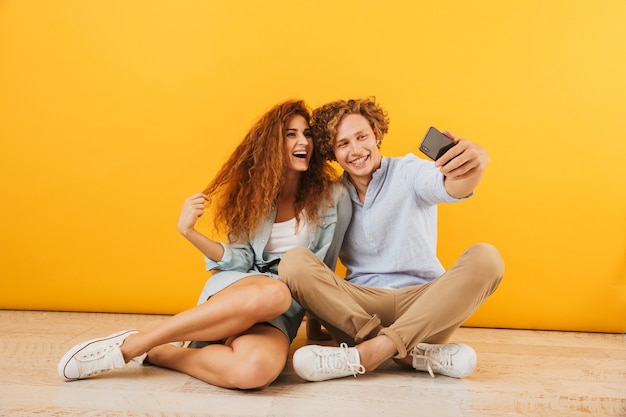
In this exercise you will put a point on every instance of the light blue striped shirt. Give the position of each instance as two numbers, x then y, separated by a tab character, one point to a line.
392	238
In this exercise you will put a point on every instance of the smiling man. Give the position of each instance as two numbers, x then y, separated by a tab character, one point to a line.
397	301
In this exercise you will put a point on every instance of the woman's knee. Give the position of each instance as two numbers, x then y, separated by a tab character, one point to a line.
257	371
274	294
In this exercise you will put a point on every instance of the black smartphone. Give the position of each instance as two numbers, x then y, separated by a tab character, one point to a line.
435	144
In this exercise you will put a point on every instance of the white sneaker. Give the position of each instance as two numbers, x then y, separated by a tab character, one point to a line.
453	359
94	356
319	363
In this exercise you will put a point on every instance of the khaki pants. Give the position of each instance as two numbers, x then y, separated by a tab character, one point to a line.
423	313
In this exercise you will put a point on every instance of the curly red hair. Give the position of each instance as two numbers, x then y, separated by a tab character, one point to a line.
245	189
327	117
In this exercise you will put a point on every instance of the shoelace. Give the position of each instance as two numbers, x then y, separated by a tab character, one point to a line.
94	363
437	356
339	360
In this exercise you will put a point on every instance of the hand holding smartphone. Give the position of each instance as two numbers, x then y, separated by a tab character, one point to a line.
435	144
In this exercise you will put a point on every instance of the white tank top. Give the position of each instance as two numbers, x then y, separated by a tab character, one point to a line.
284	236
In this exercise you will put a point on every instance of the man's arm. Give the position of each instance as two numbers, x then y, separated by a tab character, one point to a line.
462	166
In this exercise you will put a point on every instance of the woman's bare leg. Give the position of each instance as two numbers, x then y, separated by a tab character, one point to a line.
251	360
255	299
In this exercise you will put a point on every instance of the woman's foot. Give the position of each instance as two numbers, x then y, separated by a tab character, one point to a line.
94	356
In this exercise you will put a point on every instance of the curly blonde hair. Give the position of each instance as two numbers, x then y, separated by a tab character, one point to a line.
327	117
245	189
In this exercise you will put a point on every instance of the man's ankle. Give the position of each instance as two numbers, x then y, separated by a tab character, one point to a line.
375	351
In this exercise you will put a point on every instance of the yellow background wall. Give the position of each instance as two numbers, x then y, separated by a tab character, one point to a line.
112	112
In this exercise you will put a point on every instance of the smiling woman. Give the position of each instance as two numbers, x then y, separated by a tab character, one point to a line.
273	194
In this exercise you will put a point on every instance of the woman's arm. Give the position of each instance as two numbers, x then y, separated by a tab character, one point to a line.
193	209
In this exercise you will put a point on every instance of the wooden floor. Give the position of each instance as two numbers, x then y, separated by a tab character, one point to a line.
520	373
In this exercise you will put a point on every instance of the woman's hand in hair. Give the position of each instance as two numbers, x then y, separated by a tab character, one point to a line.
193	209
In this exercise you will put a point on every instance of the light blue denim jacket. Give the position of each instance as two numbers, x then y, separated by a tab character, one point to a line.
325	239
